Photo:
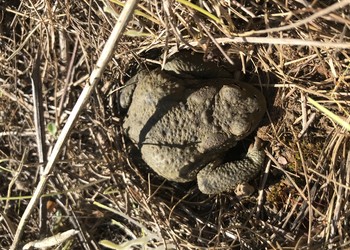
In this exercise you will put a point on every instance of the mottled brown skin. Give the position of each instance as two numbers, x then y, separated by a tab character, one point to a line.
184	118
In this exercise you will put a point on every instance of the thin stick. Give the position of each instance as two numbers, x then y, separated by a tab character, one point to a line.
40	135
320	13
84	96
281	41
68	80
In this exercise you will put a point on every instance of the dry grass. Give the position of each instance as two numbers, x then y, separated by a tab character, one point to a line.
295	51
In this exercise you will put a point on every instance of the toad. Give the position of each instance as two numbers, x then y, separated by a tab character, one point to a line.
185	117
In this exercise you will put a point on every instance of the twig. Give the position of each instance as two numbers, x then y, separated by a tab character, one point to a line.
304	116
281	41
318	14
308	189
261	192
40	134
94	78
15	177
67	81
51	241
307	124
330	114
216	43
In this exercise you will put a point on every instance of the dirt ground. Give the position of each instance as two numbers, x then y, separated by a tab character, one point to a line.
296	52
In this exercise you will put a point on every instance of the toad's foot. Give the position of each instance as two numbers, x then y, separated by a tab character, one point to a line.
215	179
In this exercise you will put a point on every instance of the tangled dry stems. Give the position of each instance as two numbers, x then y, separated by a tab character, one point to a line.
290	50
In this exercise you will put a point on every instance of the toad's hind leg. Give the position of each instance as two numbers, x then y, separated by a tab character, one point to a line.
216	179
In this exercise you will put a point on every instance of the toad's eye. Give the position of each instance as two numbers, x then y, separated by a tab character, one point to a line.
240	127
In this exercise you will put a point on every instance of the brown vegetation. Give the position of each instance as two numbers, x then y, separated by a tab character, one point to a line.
297	52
